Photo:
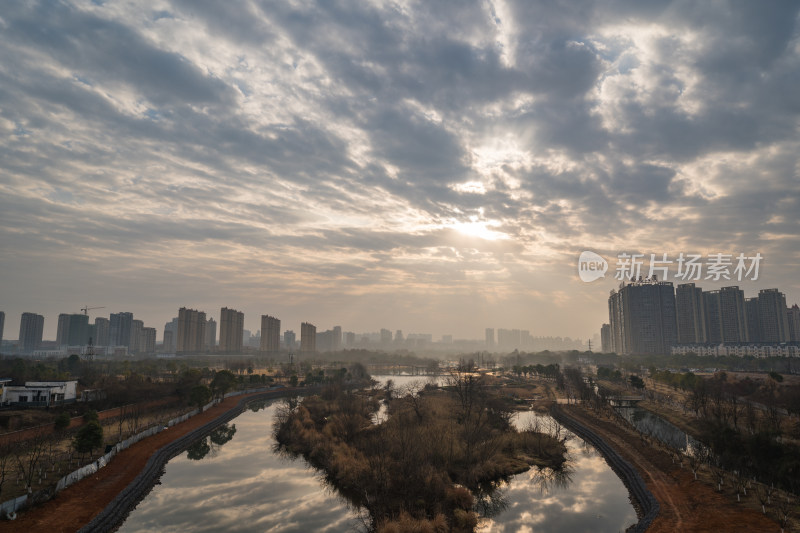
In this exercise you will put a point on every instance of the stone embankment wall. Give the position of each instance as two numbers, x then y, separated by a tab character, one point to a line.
643	498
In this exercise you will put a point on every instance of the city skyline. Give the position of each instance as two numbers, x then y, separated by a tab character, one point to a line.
687	296
647	316
425	167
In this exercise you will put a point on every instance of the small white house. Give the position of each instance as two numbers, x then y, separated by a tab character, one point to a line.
41	393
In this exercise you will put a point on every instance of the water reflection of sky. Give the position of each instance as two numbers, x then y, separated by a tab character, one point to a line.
245	487
594	499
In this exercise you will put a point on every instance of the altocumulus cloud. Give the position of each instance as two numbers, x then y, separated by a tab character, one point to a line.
386	162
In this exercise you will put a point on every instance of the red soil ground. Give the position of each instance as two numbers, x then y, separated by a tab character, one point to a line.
75	506
686	504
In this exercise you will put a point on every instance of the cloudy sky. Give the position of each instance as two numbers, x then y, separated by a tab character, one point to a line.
434	167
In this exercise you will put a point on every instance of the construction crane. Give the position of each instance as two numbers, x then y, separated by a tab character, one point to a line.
90	346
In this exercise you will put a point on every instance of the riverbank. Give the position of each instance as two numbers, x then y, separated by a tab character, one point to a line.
685	504
79	504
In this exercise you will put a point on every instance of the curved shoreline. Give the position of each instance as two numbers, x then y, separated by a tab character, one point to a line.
647	506
126	500
112	516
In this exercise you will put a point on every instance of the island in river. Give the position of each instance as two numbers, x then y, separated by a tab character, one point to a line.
426	464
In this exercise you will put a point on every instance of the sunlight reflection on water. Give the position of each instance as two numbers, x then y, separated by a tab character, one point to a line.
245	486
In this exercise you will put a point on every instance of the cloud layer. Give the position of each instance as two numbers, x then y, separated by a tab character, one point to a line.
433	167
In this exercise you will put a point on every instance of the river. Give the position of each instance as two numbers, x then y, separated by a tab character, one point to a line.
244	485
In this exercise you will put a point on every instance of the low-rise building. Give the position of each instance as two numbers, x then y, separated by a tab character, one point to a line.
40	393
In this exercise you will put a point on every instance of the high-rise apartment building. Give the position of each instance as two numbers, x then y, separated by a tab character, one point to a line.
231	330
147	340
168	344
308	337
733	315
489	335
289	339
31	327
211	335
386	336
642	317
793	319
336	338
690	313
136	336
773	321
102	331
78	333
270	334
171	335
751	312
191	334
120	329
509	339
349	339
62	331
713	317
2	325
605	338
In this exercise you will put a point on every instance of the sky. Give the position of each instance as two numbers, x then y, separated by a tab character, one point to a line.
435	167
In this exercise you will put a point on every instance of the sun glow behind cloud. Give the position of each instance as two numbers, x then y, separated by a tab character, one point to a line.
275	150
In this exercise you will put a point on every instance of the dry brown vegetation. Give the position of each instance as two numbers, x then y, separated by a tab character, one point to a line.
417	470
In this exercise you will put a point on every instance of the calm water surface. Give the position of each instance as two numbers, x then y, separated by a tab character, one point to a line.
243	486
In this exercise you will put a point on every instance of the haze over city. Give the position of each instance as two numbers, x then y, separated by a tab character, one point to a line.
432	168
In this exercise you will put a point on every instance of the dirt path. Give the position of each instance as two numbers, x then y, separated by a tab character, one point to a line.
686	504
72	508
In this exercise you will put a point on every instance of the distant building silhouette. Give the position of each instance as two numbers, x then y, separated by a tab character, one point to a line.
350	339
171	335
2	326
751	313
605	338
690	311
31	327
136	336
211	335
231	330
489	338
102	331
793	316
120	326
713	317
289	339
191	334
62	331
733	315
270	334
773	320
147	341
308	337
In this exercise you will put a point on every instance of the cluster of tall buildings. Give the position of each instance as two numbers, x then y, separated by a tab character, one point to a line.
120	331
521	339
650	316
192	332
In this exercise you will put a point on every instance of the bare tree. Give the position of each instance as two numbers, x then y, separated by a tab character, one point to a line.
29	456
6	463
740	483
763	496
783	512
